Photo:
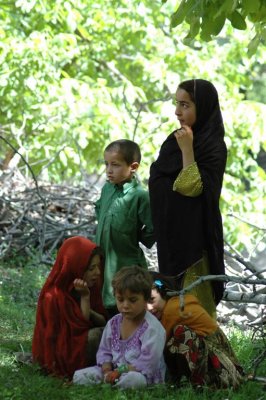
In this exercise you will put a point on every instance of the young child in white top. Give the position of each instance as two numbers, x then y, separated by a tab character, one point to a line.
130	354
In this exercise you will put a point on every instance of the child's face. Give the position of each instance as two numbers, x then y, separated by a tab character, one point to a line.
156	304
117	170
93	271
131	305
185	108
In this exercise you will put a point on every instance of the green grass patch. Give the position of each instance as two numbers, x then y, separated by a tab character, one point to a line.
20	283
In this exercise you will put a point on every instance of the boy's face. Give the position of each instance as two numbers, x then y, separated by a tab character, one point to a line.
156	304
131	305
117	170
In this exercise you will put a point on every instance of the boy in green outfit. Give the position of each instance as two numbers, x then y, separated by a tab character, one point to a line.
123	214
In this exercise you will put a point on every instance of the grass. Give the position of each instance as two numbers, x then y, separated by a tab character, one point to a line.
20	282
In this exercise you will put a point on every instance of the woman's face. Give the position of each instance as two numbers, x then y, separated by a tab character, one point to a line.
156	304
185	108
93	271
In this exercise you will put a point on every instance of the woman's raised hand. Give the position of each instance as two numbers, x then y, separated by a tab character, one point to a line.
184	137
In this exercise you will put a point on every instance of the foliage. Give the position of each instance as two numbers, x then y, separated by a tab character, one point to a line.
78	74
207	18
21	280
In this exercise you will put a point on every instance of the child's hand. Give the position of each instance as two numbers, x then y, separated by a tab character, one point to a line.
81	286
184	137
111	376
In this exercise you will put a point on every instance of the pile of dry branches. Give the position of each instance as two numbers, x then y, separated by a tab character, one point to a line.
41	216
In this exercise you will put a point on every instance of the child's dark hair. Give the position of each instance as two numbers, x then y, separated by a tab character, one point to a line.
163	284
127	148
190	87
97	251
135	279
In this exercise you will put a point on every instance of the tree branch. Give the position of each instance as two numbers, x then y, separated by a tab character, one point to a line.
30	169
246	264
252	297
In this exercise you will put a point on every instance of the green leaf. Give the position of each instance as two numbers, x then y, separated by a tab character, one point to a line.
194	27
205	35
253	45
263	33
250	6
218	24
84	33
182	12
227	7
237	21
211	27
259	16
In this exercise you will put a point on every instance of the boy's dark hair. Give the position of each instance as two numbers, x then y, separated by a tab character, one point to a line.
135	279
127	148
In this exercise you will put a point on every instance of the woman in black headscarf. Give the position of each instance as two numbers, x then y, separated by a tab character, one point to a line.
185	186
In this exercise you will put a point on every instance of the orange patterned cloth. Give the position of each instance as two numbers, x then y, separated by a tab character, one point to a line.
194	316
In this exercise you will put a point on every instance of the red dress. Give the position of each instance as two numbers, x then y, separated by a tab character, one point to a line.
61	332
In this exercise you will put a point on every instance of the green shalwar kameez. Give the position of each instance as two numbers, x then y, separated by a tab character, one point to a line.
124	220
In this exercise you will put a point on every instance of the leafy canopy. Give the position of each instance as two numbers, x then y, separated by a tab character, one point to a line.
208	17
77	74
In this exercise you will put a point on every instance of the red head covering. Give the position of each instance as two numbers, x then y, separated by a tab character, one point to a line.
61	332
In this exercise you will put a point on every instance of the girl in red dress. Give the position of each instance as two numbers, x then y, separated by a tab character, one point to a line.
70	314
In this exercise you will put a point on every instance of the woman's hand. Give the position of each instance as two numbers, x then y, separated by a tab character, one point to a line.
184	138
81	286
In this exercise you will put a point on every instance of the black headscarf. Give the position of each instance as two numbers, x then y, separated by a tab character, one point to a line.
186	226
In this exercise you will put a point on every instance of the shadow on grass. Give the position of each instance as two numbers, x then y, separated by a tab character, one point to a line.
18	299
26	382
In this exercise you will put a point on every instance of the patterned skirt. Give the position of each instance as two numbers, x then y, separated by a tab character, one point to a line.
204	360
